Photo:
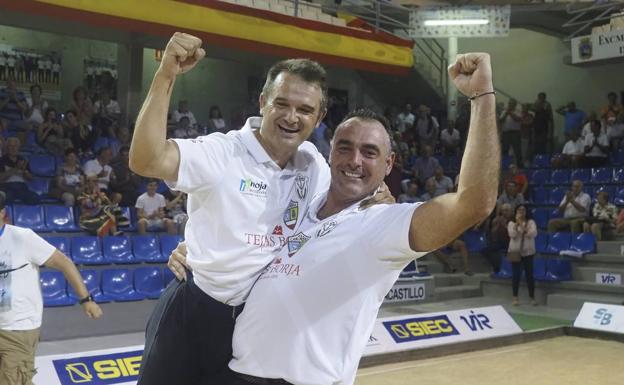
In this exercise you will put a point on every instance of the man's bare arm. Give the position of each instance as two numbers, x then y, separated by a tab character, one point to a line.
444	218
151	154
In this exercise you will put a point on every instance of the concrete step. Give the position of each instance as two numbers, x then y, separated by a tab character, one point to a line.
444	280
574	301
455	292
610	247
588	273
600	259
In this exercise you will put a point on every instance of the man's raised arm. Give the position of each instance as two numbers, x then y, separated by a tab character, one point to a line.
151	154
444	218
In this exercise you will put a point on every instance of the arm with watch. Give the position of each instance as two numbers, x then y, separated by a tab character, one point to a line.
60	262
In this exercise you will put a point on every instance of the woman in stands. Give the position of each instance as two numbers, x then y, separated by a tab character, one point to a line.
50	134
604	215
522	232
69	179
82	105
216	123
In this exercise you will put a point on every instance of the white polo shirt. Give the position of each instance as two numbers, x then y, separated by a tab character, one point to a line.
241	206
21	303
309	316
582	199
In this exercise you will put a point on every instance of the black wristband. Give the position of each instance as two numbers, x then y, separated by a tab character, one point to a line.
483	94
86	299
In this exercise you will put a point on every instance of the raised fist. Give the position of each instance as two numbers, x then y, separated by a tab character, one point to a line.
182	53
472	73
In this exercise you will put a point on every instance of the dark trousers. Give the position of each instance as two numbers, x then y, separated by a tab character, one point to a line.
229	377
516	267
512	139
188	339
19	190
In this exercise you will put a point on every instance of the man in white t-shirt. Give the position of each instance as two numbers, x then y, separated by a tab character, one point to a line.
308	317
151	211
450	138
21	304
572	153
183	111
100	169
107	108
405	120
596	147
574	207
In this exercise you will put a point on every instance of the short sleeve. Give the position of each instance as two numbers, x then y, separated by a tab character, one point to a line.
139	203
39	251
162	203
203	162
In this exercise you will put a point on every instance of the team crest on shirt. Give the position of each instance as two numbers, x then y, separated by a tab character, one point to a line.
277	230
296	242
291	214
301	184
326	228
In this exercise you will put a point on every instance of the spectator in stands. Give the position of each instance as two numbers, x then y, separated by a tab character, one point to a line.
587	125
543	125
183	110
50	134
13	105
430	190
510	196
596	147
610	112
522	182
100	169
184	130
604	216
573	118
83	136
122	139
324	144
573	153
443	183
619	223
510	121
399	145
458	246
82	106
151	211
405	119
575	208
98	215
22	251
176	210
526	132
411	195
216	123
521	250
69	182
36	107
126	183
497	236
107	108
426	127
14	174
450	139
615	132
426	164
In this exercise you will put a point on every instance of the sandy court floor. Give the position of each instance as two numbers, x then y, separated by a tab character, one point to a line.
555	361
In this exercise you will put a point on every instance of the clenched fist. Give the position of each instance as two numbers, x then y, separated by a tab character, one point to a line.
472	73
182	53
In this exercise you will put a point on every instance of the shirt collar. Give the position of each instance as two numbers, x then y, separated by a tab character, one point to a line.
251	141
319	200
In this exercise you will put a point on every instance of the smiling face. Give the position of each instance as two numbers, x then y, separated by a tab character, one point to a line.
360	159
290	112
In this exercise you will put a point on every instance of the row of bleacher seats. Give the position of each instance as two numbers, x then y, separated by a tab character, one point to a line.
543	160
119	285
92	250
544	243
548	195
544	269
599	175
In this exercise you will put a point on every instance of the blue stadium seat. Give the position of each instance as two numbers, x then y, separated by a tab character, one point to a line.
584	243
167	276
117	250
581	174
128	212
540	216
560	177
39	186
541	243
555	196
539	176
505	271
149	281
558	269
555	213
29	216
168	243
610	189
146	248
54	289
60	218
475	241
100	142
61	243
118	285
539	268
619	197
601	175
409	270
618	175
506	160
539	195
42	165
86	250
617	157
557	242
541	161
91	280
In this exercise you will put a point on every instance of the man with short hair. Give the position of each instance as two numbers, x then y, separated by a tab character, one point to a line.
183	111
426	164
572	154
22	251
13	105
510	196
426	127
573	117
522	182
100	169
511	119
14	174
450	139
411	195
443	184
543	125
574	207
596	147
405	120
151	211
